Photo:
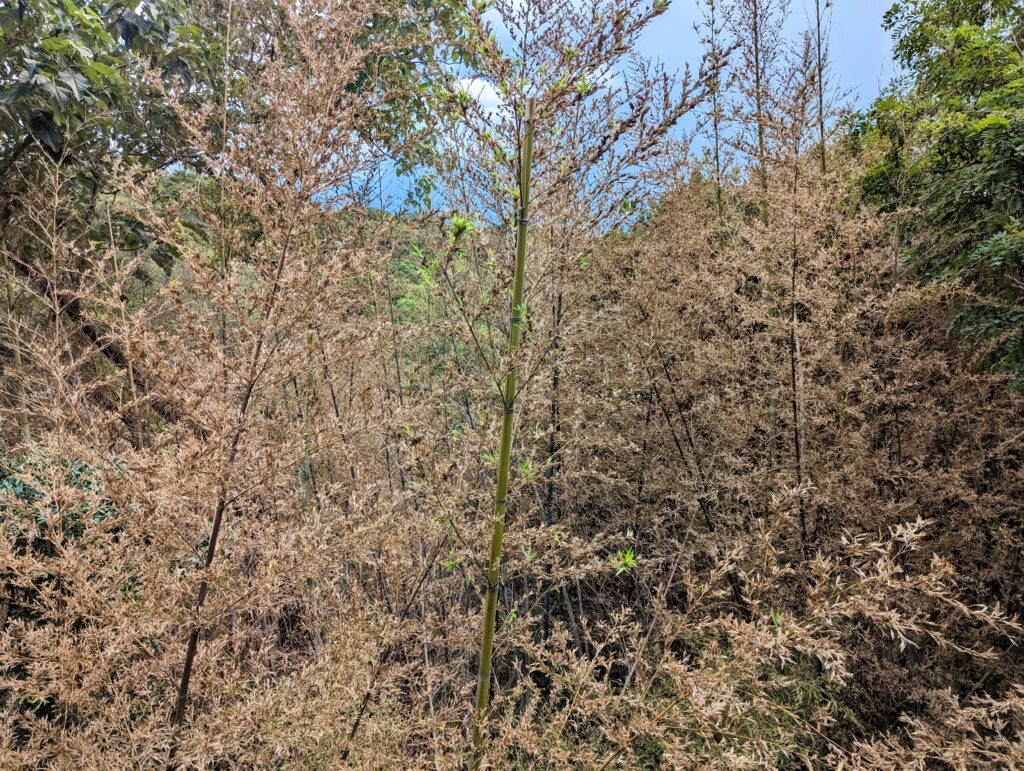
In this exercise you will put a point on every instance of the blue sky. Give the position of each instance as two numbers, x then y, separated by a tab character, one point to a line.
861	50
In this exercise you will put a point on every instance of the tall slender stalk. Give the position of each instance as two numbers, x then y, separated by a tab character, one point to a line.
554	464
192	646
19	373
136	414
820	83
794	360
716	114
252	377
762	160
220	204
794	363
759	20
483	683
19	386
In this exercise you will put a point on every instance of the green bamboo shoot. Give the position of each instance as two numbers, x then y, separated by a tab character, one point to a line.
483	685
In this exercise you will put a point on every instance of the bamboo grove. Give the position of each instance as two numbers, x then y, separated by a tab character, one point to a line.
443	385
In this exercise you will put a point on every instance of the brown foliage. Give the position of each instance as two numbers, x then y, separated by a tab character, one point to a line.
764	512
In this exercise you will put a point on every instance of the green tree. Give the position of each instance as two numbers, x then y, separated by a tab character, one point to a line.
954	158
72	84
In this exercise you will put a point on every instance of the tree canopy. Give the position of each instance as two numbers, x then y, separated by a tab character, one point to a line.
951	133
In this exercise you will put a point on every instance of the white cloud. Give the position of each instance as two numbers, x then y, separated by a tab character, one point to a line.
483	92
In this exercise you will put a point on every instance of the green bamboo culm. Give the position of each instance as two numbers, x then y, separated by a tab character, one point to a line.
508	397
